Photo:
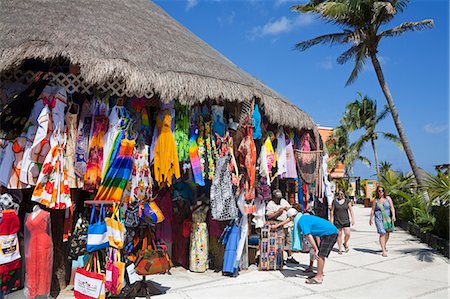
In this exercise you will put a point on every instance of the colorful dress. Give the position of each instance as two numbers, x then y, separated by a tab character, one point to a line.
94	164
118	174
166	158
139	187
224	147
194	157
209	141
198	261
52	188
182	132
201	146
247	158
223	203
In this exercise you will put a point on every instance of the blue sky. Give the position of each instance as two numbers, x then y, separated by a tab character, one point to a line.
259	36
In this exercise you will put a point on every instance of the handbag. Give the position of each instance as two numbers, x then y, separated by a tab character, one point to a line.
151	213
115	228
97	234
114	272
132	215
151	260
89	285
78	239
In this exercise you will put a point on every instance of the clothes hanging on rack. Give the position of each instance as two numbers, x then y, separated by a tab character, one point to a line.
166	158
223	204
139	186
71	144
199	240
194	156
281	152
247	161
82	146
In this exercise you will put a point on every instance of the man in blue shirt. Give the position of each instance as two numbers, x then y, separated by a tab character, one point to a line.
312	226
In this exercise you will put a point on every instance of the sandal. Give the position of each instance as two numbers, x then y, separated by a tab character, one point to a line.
384	254
346	247
313	281
340	252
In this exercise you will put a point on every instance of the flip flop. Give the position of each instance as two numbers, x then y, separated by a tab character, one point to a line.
313	281
346	248
384	255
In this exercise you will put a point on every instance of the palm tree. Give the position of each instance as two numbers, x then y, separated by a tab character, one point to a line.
361	21
385	166
338	146
362	114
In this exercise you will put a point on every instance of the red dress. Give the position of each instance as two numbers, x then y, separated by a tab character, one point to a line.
38	254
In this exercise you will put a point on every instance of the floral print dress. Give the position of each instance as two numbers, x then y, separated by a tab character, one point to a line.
139	187
198	259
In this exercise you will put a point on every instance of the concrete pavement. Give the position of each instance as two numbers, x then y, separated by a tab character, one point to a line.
411	270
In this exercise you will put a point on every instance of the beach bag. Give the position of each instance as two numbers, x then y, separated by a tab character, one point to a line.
151	213
115	228
87	284
78	239
152	260
115	272
132	215
97	233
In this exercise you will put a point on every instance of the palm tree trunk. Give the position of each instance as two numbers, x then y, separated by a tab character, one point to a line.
376	159
395	116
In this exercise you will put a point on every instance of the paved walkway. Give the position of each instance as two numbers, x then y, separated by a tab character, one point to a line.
412	270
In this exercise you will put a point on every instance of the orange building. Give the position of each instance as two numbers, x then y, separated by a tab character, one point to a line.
338	172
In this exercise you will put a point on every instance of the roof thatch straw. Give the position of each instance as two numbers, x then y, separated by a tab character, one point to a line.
136	42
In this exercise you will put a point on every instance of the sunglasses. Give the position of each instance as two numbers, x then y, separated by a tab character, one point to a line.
380	190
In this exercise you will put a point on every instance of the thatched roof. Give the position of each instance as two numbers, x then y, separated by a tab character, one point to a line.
137	42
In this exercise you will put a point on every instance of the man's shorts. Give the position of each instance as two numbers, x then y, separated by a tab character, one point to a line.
326	244
288	238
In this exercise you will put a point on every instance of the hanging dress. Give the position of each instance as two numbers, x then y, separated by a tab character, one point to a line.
181	222
194	157
224	147
209	142
6	161
198	259
38	254
94	164
281	152
118	174
71	132
52	188
82	146
247	158
223	203
291	164
201	145
182	132
166	158
139	186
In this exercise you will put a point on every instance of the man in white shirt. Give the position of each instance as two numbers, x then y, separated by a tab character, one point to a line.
276	210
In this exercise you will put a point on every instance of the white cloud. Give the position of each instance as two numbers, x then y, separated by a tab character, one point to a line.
435	129
227	20
282	25
191	4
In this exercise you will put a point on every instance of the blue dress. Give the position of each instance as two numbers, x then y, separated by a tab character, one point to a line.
379	216
231	250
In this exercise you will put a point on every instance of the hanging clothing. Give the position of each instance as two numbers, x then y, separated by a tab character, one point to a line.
38	254
271	157
218	125
291	164
196	165
223	203
52	189
182	132
6	161
71	133
166	158
209	142
82	146
164	229
201	146
10	259
118	173
117	119
243	225
281	152
18	148
256	118
165	109
139	186
247	160
198	261
224	147
231	250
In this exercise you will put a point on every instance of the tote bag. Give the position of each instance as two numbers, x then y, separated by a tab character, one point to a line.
152	260
115	228
89	285
151	213
97	235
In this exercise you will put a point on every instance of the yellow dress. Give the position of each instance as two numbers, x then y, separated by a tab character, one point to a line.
165	157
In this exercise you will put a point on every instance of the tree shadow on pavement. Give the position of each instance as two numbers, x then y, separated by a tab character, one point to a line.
366	250
422	254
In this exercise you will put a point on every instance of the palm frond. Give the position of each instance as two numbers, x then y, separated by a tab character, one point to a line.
394	138
349	54
333	38
408	26
385	112
364	161
400	5
359	64
439	188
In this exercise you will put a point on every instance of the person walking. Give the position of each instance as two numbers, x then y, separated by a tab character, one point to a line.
384	211
312	226
339	216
